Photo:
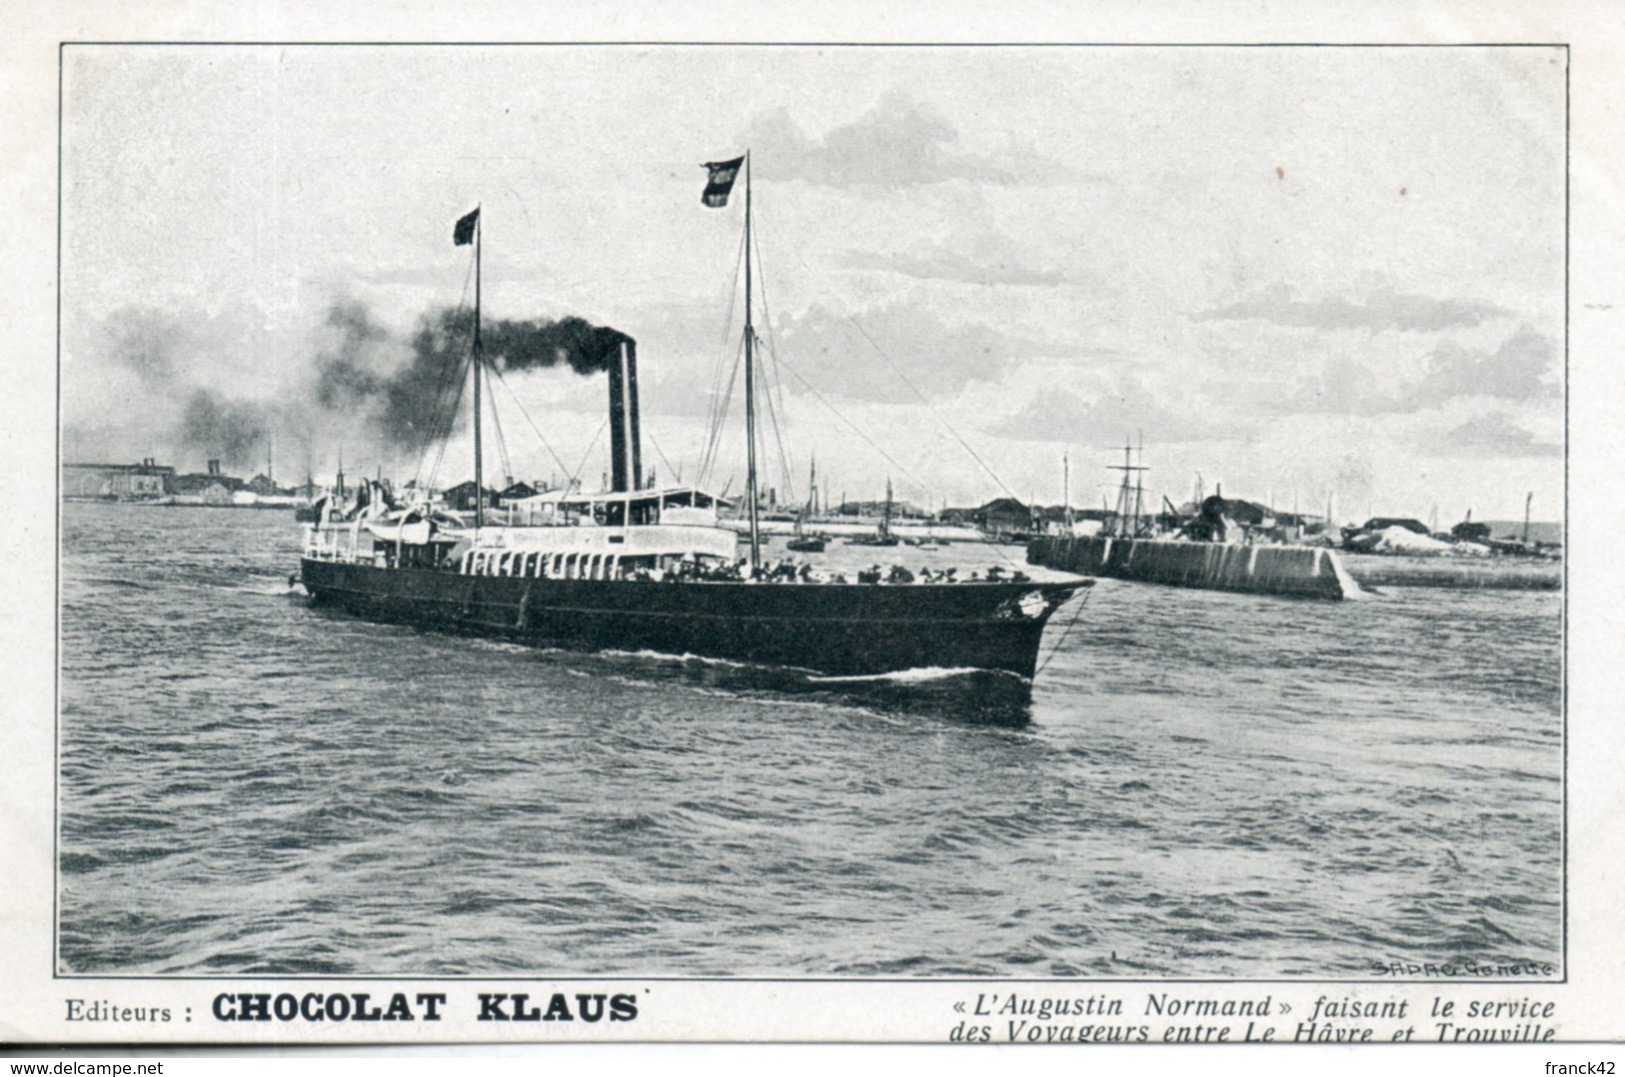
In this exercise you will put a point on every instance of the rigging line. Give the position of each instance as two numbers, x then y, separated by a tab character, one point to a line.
727	402
669	469
730	299
733	291
502	442
496	425
448	421
447	375
928	406
784	457
443	423
450	369
887	359
720	363
716	413
1064	633
591	445
708	461
854	427
563	469
786	464
450	424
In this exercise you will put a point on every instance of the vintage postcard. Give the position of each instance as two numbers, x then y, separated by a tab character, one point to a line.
1050	534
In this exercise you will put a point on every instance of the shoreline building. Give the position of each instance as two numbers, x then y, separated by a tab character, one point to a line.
117	482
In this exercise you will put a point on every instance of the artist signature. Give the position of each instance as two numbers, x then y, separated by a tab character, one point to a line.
1468	968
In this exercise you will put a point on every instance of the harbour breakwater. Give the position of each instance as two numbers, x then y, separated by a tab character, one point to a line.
1300	571
1493	573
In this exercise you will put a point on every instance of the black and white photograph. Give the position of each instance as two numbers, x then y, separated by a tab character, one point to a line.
1019	518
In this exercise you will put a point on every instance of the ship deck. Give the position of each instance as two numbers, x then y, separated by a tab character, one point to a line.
826	627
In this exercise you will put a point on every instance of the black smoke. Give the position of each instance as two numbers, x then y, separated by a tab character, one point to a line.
347	370
184	385
146	342
192	385
587	348
413	402
231	431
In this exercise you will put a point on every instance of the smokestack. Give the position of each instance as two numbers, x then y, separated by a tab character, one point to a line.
625	450
214	467
617	424
634	437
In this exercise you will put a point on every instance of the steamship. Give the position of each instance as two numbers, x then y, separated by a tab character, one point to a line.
654	569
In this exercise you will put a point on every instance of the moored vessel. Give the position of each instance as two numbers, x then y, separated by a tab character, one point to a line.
803	540
883	533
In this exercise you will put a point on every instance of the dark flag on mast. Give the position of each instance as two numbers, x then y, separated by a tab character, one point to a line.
720	181
464	232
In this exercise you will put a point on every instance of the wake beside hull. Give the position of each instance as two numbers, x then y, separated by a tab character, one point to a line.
833	629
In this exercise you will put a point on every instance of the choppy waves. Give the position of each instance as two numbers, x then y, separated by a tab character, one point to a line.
1200	785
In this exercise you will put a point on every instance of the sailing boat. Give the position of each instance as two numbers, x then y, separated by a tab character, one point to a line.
883	535
654	569
804	541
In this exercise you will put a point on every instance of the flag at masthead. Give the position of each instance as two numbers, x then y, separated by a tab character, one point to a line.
463	234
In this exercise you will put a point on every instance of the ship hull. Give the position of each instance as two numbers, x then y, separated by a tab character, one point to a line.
830	628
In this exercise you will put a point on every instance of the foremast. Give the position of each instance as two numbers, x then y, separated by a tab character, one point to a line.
466	231
478	361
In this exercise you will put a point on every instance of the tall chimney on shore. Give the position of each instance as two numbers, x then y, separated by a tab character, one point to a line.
625	449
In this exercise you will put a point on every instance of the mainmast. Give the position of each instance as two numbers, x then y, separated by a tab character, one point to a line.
1139	487
812	486
1066	489
750	393
1130	493
720	176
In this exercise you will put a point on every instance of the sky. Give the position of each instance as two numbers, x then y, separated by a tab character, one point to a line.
1299	273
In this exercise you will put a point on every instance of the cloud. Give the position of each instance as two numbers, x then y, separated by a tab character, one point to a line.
1126	409
1378	384
1375	310
1514	371
869	355
900	142
1346	386
1495	435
